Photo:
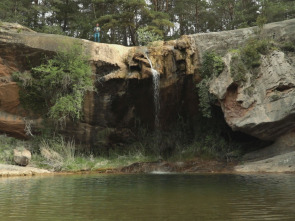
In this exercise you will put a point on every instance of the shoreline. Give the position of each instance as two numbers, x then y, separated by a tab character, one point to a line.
192	166
280	164
197	166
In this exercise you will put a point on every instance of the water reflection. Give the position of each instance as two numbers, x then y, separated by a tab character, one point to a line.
149	197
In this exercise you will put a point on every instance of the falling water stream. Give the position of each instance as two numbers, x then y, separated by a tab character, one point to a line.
156	87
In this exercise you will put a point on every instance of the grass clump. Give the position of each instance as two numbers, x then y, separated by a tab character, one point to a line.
288	46
55	153
7	144
58	154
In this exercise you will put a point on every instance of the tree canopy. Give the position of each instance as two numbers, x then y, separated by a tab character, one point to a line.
120	19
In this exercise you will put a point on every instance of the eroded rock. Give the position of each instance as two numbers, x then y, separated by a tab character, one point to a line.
264	105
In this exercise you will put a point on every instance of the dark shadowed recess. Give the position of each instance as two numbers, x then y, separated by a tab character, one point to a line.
23	58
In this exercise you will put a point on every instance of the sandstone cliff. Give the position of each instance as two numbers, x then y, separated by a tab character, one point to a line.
125	94
123	79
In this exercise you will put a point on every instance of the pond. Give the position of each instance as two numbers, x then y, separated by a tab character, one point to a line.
149	197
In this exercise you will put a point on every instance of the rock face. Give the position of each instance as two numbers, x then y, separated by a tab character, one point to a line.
123	76
22	157
276	164
263	106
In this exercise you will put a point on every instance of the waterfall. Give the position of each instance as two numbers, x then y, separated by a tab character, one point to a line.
156	87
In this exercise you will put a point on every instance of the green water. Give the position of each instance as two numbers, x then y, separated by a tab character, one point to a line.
148	197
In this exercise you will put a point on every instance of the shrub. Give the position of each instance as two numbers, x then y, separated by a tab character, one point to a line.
56	88
212	65
205	98
248	58
251	52
146	36
261	21
237	67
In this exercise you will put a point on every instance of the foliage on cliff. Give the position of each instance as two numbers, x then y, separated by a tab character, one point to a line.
248	58
57	87
212	65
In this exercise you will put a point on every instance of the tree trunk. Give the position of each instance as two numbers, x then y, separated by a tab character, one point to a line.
181	28
125	41
231	15
93	8
156	4
197	17
66	16
132	35
167	6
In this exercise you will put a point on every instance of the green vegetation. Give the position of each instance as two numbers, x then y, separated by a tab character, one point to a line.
251	52
248	58
261	21
57	154
56	89
237	68
60	155
6	148
120	20
146	36
212	139
212	65
288	46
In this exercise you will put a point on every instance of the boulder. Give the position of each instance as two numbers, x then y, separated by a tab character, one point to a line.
22	156
262	106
